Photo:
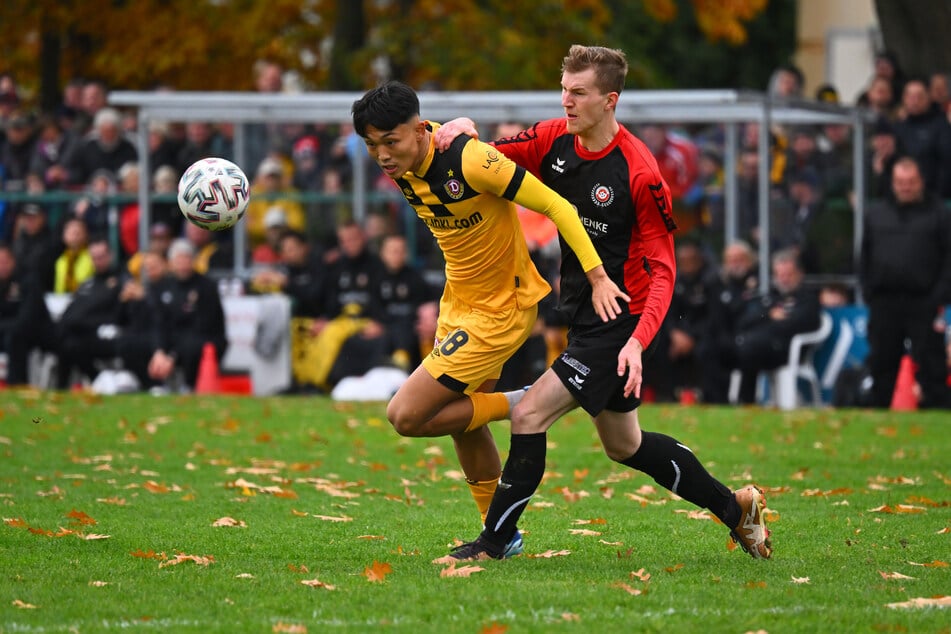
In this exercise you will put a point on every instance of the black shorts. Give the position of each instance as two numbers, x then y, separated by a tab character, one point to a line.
588	366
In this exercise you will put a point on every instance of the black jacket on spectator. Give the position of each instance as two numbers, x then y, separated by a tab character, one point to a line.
353	285
906	249
189	307
24	323
306	286
95	303
89	155
927	139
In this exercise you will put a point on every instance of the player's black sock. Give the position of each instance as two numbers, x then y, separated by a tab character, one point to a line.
674	467
521	476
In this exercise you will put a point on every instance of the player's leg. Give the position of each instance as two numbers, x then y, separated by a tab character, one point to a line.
545	402
674	466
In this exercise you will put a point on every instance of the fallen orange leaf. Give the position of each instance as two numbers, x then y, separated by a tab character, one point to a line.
494	628
922	602
570	616
674	568
228	522
154	487
583	532
755	584
377	572
332	518
629	589
597	520
370	537
80	518
944	531
641	574
933	564
696	514
463	571
548	554
200	560
15	522
289	628
296	568
98	584
317	583
800	579
112	500
148	555
92	536
24	606
893	575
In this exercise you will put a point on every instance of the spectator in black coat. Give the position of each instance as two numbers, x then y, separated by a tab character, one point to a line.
739	284
188	315
104	148
24	319
925	135
90	318
769	322
906	280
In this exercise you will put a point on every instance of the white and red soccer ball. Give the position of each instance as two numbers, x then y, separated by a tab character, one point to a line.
213	193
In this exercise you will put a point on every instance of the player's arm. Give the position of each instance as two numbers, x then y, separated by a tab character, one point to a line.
514	183
447	132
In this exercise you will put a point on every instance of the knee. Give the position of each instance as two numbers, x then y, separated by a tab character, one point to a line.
404	422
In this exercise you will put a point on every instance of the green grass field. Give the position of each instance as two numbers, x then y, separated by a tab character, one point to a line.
109	508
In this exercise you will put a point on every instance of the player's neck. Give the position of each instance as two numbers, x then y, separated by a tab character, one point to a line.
600	136
422	152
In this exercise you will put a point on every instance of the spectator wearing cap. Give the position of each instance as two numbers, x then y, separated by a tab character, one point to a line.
104	148
33	245
188	315
16	151
275	224
268	191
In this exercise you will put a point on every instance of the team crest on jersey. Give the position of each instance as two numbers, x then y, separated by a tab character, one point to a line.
602	195
454	188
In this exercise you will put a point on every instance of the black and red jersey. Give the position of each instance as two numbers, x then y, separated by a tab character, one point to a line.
625	206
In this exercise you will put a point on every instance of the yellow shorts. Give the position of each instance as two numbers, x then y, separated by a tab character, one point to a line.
473	344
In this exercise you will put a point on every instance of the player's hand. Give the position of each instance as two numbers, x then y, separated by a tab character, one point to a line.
629	362
605	294
447	132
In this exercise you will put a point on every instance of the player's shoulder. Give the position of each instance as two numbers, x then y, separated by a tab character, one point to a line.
638	155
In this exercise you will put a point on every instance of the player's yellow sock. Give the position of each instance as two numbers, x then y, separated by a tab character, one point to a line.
482	493
487	407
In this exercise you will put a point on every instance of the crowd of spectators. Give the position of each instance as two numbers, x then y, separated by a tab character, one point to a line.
298	229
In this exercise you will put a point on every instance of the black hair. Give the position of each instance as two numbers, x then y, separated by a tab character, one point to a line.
384	107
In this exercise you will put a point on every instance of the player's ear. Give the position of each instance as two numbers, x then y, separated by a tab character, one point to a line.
611	103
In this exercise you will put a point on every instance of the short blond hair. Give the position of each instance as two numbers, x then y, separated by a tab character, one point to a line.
609	64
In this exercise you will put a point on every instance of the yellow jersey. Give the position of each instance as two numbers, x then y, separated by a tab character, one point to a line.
467	197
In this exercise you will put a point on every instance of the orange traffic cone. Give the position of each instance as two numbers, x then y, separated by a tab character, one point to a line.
209	380
904	397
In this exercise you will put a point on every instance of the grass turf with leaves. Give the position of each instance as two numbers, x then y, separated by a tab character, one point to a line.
327	520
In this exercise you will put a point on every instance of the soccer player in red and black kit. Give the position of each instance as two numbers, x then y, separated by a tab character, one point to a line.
624	203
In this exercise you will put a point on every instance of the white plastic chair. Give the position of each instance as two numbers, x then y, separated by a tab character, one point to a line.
784	380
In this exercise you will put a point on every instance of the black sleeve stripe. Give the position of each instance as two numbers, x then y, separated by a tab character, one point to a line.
514	184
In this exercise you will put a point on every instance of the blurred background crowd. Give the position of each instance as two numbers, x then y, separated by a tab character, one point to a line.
363	290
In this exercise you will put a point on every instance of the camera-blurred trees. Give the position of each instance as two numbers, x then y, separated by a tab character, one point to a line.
349	44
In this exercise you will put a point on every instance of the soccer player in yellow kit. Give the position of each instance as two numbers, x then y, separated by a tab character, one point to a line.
467	197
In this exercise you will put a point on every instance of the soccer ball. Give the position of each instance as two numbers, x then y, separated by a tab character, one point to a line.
213	193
